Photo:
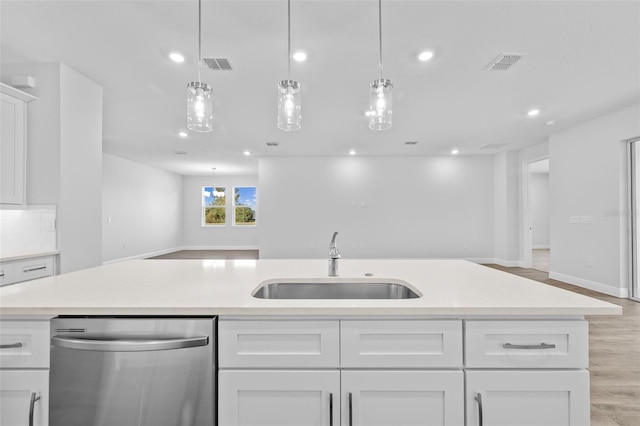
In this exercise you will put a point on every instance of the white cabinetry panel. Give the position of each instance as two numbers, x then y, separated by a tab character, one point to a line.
527	398
278	398
17	389
24	344
527	344
401	344
279	344
402	398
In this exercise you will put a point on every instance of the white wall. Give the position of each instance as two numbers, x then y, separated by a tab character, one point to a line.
587	173
506	190
64	157
412	207
80	205
141	211
539	205
226	236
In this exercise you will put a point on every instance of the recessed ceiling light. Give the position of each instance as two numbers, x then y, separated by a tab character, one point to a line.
533	112
299	56
425	56
176	57
550	123
352	152
183	134
454	151
246	152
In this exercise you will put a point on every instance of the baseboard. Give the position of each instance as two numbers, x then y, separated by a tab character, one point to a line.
143	255
219	248
543	246
501	262
622	293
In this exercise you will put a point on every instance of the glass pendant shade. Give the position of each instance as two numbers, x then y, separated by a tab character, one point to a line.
289	106
380	104
199	107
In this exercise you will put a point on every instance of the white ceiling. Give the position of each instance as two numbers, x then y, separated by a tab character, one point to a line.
582	60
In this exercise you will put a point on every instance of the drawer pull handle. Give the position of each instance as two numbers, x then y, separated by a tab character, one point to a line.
350	409
37	268
11	346
480	417
540	346
331	409
32	404
1	274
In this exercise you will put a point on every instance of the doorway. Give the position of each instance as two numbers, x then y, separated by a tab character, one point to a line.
536	217
634	220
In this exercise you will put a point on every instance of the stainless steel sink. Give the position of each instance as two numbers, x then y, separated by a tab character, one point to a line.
334	289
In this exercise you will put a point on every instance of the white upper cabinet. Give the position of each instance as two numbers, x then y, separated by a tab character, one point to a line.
13	137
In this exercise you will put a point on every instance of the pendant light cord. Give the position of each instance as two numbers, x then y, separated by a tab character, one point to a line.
380	34
289	38
199	41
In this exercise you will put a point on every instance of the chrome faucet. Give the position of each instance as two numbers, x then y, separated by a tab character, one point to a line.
334	255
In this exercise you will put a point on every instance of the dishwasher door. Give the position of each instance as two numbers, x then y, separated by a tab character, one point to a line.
132	371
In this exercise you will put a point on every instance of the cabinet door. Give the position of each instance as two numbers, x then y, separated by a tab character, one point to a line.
17	389
278	398
12	149
402	398
528	398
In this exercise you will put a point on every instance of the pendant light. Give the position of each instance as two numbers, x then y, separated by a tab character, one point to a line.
199	94
380	99
289	96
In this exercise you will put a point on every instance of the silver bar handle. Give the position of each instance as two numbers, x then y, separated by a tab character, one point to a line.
11	345
330	409
540	346
37	268
32	405
350	409
480	416
128	345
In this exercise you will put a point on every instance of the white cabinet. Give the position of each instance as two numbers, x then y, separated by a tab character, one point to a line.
27	269
278	398
402	398
24	394
321	373
531	398
13	132
24	372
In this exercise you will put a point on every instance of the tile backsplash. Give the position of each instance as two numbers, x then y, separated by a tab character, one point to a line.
32	229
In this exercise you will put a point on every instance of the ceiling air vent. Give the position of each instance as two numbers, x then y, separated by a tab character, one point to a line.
218	64
492	146
503	62
411	143
272	143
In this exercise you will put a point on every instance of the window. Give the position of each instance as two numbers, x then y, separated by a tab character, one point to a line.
244	206
213	205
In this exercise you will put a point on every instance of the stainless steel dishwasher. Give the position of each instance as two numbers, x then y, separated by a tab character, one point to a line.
132	371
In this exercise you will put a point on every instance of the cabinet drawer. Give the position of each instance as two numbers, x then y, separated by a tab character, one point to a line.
33	268
527	344
401	344
6	274
279	344
24	344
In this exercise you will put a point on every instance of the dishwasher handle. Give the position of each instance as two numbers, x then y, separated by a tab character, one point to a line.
127	345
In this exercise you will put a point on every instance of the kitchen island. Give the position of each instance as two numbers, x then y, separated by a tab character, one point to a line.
478	345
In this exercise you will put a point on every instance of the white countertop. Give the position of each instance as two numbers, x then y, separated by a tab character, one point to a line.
7	257
219	287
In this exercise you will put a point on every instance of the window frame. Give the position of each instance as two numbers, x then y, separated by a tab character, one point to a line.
233	207
203	212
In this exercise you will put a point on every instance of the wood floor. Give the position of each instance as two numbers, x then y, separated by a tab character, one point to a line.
614	345
614	356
